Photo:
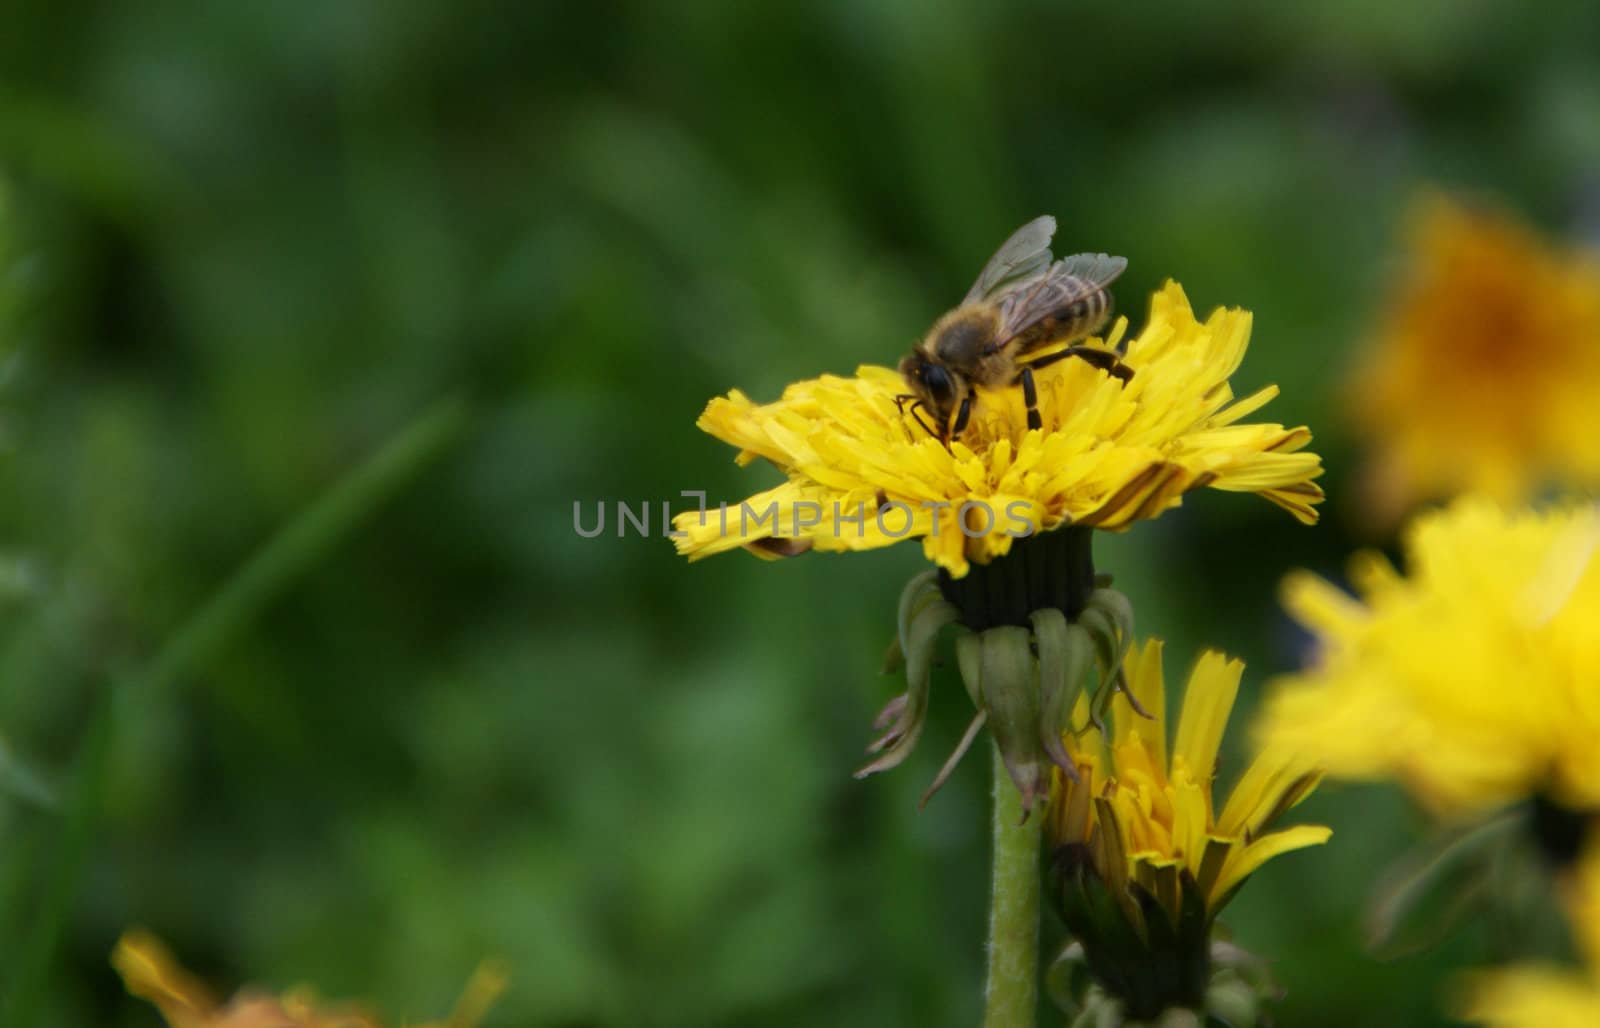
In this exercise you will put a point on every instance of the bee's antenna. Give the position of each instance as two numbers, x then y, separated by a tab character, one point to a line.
916	405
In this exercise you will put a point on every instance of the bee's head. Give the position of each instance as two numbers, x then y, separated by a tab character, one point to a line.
935	385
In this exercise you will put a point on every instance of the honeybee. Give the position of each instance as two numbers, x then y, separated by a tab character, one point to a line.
1021	304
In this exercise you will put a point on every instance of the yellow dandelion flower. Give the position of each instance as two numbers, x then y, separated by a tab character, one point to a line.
1546	995
1471	680
1144	859
150	971
861	474
1483	375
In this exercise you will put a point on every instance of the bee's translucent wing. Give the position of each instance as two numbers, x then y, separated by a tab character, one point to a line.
1101	269
1025	255
1069	280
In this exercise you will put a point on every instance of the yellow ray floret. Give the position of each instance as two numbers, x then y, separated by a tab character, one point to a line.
861	474
1147	817
150	972
1471	680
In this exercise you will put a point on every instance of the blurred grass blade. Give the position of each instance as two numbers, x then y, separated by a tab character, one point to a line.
299	545
22	781
295	549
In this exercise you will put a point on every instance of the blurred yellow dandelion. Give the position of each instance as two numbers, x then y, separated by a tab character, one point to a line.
150	971
1483	375
1547	995
1472	679
862	475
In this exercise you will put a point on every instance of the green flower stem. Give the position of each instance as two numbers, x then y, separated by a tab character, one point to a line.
1012	996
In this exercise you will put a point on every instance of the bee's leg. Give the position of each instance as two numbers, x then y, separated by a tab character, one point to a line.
1105	360
962	416
1030	397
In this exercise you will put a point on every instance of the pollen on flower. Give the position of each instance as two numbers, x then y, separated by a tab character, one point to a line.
861	473
1483	373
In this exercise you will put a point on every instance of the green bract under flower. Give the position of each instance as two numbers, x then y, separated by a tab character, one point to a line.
1024	675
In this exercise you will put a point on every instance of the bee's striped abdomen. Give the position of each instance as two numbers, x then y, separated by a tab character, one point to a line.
1082	317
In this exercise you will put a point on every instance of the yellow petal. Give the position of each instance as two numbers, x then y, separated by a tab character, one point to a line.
1319	605
1247	860
1143	669
150	971
1257	794
1206	705
1531	996
1190	814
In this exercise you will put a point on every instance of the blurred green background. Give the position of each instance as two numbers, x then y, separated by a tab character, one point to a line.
249	244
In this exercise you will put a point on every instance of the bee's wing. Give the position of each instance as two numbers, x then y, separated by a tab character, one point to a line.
1023	256
1069	280
1098	269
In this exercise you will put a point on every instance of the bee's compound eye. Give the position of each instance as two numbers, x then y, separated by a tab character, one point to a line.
938	382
